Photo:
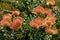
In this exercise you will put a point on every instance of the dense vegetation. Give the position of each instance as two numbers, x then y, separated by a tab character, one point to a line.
27	32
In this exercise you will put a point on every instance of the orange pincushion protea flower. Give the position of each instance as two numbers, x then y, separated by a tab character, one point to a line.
49	20
7	16
51	31
15	13
5	22
50	2
17	22
38	9
36	23
41	10
48	11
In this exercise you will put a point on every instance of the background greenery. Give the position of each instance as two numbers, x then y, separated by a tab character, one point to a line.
58	3
26	32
